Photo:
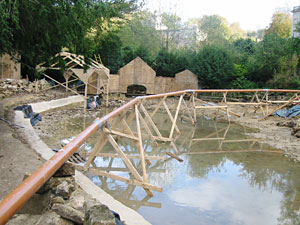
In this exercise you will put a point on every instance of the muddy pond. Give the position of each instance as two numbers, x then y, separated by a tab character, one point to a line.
226	177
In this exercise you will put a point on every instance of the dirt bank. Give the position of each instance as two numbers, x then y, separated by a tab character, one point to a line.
16	157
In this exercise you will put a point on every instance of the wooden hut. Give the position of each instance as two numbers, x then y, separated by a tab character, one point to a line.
137	73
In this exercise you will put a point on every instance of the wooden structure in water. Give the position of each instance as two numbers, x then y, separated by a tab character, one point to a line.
134	122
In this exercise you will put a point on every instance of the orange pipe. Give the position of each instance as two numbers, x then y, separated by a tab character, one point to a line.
17	198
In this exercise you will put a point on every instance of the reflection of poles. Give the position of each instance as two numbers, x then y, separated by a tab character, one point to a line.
85	96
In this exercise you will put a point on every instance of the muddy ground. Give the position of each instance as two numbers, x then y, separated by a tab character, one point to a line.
16	157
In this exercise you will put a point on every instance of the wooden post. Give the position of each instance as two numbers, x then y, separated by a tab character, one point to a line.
171	117
176	115
85	97
149	119
189	113
107	92
250	102
147	129
194	107
140	144
97	149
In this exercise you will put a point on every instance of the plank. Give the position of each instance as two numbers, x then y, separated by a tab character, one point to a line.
126	180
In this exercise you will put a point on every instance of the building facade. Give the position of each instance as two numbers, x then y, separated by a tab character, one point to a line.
296	21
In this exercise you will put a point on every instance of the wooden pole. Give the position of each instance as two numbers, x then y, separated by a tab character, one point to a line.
171	117
148	117
140	144
194	107
157	107
176	115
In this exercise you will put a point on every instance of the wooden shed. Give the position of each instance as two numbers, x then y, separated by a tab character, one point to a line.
185	80
138	73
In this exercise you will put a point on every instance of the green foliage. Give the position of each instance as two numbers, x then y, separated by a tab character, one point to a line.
287	76
109	48
129	54
214	66
214	29
167	63
281	25
9	20
239	80
140	31
37	30
265	61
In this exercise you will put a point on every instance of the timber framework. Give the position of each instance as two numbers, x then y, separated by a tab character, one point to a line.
134	122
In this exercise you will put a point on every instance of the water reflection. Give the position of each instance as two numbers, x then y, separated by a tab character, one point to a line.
214	185
226	178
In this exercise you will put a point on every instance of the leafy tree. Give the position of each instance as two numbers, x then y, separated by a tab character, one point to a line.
265	61
236	32
129	54
37	30
239	80
214	66
140	31
9	20
286	76
243	48
281	25
109	48
167	63
214	29
170	30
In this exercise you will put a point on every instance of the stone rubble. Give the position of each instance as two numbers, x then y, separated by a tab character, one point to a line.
9	87
67	204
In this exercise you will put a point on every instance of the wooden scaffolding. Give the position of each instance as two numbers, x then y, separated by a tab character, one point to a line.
93	75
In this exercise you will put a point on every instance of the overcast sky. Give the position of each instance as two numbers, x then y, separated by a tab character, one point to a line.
250	14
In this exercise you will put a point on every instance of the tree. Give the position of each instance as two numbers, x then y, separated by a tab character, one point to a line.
37	30
9	20
140	30
214	29
263	64
286	76
167	63
109	48
236	32
281	25
214	66
129	54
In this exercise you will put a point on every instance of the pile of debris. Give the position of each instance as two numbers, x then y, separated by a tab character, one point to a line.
294	125
10	87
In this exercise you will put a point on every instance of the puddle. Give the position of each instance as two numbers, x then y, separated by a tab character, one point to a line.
226	177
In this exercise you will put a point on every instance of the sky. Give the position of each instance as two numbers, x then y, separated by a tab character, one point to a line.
250	14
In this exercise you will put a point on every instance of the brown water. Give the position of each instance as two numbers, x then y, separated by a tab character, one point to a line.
210	186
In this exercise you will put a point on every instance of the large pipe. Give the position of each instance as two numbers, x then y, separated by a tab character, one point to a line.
17	198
